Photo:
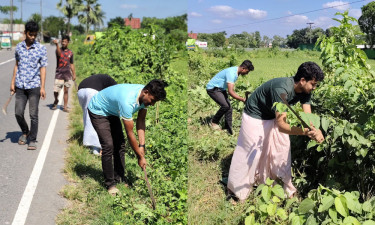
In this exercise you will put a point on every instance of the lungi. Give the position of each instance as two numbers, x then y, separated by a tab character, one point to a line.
90	137
262	151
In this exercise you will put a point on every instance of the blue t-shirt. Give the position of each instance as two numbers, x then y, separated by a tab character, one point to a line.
221	79
120	100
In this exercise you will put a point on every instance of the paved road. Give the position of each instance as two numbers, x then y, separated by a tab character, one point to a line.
17	164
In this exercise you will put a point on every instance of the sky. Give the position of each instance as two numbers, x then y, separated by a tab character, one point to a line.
112	8
269	17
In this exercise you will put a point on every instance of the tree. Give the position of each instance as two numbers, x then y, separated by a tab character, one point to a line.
117	20
70	9
52	25
278	41
367	23
258	39
36	18
90	15
6	9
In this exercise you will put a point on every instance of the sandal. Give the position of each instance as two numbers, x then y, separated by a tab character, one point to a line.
32	146
54	107
66	109
22	140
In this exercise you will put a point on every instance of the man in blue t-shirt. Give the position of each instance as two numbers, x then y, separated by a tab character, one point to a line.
105	110
217	90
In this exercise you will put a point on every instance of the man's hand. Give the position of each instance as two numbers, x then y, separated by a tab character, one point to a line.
42	93
142	162
12	89
56	42
315	134
74	77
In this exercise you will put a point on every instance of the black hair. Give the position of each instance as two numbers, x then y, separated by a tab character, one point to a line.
309	71
31	26
247	64
65	37
156	89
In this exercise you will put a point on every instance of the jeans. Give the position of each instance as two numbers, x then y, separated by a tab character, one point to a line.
111	138
33	96
221	98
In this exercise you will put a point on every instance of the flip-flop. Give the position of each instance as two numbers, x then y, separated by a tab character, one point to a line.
32	146
22	140
54	106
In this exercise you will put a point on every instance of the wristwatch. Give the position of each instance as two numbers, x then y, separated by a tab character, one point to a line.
144	146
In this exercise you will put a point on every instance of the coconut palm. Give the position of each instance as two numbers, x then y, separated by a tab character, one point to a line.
91	15
70	9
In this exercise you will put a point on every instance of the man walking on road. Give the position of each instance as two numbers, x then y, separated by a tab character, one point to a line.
217	90
105	110
86	90
65	71
263	146
28	82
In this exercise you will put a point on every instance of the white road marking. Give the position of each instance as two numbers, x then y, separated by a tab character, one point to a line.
28	194
10	60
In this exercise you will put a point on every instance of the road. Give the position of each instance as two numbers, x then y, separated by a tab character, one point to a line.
41	171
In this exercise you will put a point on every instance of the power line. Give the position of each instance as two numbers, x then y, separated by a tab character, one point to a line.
282	17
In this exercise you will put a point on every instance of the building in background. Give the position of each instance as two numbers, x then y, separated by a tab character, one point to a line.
18	31
134	23
193	35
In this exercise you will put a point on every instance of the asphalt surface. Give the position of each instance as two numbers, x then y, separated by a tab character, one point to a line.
17	163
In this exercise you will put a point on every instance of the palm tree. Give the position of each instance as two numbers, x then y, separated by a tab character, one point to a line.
91	14
100	16
70	9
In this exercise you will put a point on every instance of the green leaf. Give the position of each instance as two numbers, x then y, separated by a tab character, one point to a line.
311	220
266	193
311	118
311	144
369	222
259	188
275	199
339	70
340	205
278	191
351	220
327	202
306	205
325	124
271	209
269	182
290	202
339	130
367	206
263	208
353	203
282	214
250	220
297	220
333	214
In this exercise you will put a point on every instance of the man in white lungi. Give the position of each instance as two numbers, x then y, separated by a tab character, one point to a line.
263	146
89	87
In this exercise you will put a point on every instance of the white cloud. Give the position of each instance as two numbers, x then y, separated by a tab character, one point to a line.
216	21
126	6
323	22
195	14
256	13
297	19
339	5
225	11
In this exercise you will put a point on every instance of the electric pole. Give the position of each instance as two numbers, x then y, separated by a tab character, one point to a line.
11	21
41	21
310	30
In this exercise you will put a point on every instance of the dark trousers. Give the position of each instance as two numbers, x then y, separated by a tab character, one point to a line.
111	138
33	96
221	98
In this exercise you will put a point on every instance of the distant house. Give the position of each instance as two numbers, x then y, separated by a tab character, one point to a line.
193	35
134	23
